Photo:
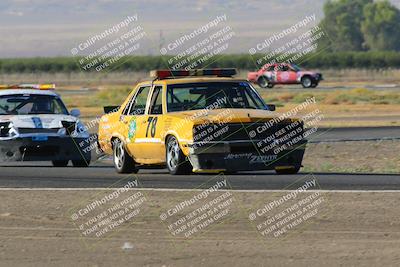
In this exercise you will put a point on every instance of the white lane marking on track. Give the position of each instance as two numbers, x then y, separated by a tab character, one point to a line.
195	190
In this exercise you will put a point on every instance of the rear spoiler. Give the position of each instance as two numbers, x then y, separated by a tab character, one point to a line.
110	109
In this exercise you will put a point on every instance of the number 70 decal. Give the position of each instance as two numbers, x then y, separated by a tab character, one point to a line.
153	122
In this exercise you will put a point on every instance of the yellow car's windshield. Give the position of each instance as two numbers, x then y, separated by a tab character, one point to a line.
192	96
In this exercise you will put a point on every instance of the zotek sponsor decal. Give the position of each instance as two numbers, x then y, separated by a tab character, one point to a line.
252	157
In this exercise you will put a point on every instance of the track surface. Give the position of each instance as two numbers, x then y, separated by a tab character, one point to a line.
324	88
102	174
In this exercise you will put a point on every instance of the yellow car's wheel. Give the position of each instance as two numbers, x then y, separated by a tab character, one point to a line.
176	160
123	163
287	170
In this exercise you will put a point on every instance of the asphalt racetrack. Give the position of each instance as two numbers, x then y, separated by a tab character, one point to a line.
101	174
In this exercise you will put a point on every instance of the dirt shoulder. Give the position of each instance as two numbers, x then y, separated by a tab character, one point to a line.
348	229
353	157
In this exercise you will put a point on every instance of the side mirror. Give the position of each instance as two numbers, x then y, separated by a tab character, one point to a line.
75	112
271	107
109	109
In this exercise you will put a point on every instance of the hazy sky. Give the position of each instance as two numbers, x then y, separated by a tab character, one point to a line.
54	27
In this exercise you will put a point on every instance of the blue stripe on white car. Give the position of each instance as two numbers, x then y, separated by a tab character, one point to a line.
38	122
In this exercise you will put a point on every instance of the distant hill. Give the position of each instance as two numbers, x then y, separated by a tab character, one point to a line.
51	28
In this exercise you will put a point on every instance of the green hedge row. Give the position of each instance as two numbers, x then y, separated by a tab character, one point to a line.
372	60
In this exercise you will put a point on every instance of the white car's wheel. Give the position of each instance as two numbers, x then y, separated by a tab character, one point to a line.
60	163
80	163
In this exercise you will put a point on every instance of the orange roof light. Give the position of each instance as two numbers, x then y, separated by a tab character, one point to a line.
50	86
163	74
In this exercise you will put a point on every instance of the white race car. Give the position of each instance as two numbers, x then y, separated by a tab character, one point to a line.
35	125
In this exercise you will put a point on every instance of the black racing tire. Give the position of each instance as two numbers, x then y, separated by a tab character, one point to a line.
123	162
270	85
315	84
177	163
263	82
307	81
80	163
289	170
60	163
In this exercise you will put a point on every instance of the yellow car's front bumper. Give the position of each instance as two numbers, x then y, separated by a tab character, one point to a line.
235	156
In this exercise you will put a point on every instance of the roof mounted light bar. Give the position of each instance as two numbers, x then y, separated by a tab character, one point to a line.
164	74
50	86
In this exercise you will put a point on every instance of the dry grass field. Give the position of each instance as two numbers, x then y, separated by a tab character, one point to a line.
343	97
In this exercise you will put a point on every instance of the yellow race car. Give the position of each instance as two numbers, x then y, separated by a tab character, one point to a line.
200	121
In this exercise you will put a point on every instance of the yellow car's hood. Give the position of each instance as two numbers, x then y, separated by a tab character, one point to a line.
228	115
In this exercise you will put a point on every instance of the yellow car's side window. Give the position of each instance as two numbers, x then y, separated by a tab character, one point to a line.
138	105
156	101
155	109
